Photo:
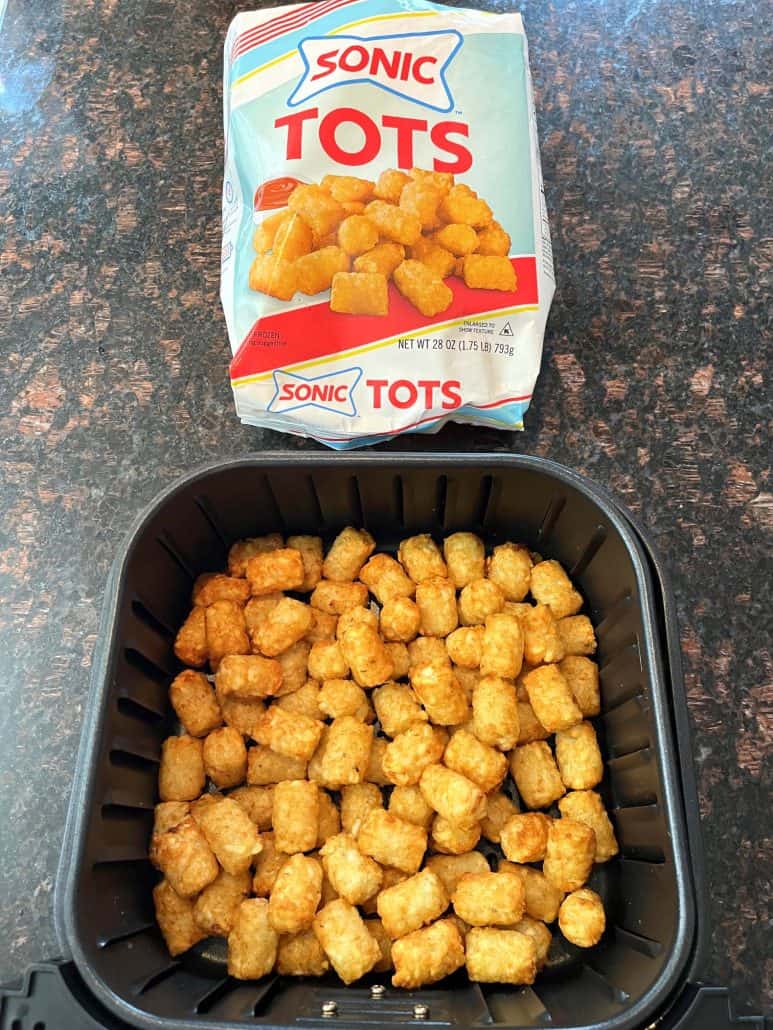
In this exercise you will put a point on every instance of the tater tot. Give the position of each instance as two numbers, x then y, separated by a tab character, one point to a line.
401	661
439	260
344	937
185	858
301	954
340	697
451	868
550	585
489	899
243	550
347	749
296	815
581	918
289	733
231	834
400	619
355	617
536	775
524	837
577	635
353	875
499	808
427	651
375	772
181	775
569	854
500	956
441	694
310	550
463	205
348	188
323	626
582	675
382	259
586	806
486	272
502	646
175	918
275	570
427	955
317	270
578	757
166	815
531	728
478	600
465	645
295	895
539	934
267	866
272	275
293	239
421	558
495	712
257	802
225	757
468	678
190	644
393	223
542	897
451	839
288	621
391	877
397	708
329	821
436	601
411	751
484	765
216	586
248	677
458	238
357	799
376	929
551	698
408	803
541	639
337	598
392	841
390	185
423	288
319	209
198	807
366	655
304	700
257	611
441	181
348	553
494	241
195	704
265	767
216	906
422	199
326	661
356	235
252	944
413	903
386	579
464	555
510	568
226	631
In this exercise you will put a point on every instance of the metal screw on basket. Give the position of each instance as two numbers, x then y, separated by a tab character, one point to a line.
420	1011
329	1009
377	991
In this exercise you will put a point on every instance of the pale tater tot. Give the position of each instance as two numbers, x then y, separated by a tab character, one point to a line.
408	803
329	822
392	841
181	775
530	728
293	663
347	750
375	773
225	757
542	897
401	661
296	893
287	622
536	774
257	610
185	858
231	834
397	708
275	570
577	635
517	608
267	866
451	839
241	552
551	698
499	808
569	854
550	585
265	767
347	555
413	903
524	837
355	617
304	700
586	806
465	646
252	944
353	875
495	713
296	815
484	765
343	697
190	644
465	558
578	757
314	768
216	906
357	799
582	675
226	631
539	934
386	579
366	655
478	600
248	677
376	929
215	586
174	916
289	733
400	619
451	868
301	954
500	956
411	751
468	679
489	899
421	558
323	626
502	646
581	918
326	661
541	639
199	806
441	694
436	601
243	716
195	704
344	937
166	815
310	550
427	955
427	651
257	802
510	568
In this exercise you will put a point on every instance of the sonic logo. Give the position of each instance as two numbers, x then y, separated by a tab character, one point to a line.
332	392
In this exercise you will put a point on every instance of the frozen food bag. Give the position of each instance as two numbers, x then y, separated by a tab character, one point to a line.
386	262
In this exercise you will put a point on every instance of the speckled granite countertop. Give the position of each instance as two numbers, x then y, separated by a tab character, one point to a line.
653	125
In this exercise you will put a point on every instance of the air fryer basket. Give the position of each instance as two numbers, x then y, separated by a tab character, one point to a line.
105	881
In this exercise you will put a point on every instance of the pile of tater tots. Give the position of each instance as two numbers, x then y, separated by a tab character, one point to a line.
357	729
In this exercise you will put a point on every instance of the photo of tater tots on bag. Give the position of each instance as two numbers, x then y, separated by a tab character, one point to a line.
351	236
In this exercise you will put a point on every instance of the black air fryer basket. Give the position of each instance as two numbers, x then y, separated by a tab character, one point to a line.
117	974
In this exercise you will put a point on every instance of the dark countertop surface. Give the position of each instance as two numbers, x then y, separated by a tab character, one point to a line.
653	126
